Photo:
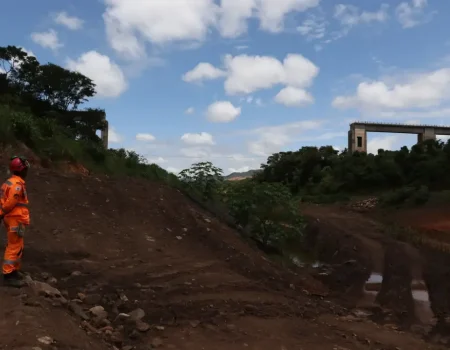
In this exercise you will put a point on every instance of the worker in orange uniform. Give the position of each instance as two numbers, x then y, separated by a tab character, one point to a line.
15	215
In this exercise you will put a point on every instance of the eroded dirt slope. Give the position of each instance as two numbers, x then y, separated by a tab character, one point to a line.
162	273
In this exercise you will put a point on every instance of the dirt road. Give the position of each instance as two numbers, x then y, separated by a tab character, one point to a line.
140	266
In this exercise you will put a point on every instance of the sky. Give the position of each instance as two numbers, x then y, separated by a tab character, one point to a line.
234	81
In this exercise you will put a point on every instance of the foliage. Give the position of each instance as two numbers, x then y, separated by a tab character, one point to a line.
313	171
406	196
267	209
204	177
38	108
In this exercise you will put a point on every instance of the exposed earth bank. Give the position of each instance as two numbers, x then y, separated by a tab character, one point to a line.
131	264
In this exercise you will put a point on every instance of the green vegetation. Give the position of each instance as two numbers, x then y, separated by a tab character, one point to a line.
321	174
39	107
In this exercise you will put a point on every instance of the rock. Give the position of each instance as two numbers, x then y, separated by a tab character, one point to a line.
123	297
137	314
76	273
45	275
157	342
160	328
179	238
99	312
52	280
122	317
89	327
45	340
207	220
128	347
78	311
142	326
134	334
117	337
194	324
36	348
46	290
81	296
92	299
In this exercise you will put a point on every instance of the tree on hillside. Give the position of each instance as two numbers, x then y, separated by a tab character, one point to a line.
12	58
204	177
61	88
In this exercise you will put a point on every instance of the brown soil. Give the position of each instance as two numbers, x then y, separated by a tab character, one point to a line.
125	244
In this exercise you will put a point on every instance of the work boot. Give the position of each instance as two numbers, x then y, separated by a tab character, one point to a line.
13	279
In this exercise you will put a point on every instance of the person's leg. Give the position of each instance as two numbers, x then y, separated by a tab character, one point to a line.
13	254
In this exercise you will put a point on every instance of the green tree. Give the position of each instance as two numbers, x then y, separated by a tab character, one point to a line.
204	177
266	209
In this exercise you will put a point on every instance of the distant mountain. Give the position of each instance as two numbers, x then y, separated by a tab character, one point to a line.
240	176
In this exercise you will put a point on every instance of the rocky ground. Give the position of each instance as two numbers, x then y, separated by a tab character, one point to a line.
129	264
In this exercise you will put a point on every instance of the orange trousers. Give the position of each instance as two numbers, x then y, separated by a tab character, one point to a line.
14	248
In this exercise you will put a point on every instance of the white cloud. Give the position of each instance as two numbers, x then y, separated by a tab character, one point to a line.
222	112
145	137
157	160
349	15
202	138
313	27
48	39
196	153
294	97
190	110
272	139
71	22
203	71
239	170
233	21
114	136
173	170
411	14
385	142
108	77
416	91
247	74
272	13
130	24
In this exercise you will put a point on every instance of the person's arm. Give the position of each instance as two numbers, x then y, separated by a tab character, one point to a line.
12	194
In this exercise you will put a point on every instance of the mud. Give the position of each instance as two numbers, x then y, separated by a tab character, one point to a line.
409	284
160	272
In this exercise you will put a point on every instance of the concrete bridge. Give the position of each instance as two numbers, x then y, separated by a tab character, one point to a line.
357	135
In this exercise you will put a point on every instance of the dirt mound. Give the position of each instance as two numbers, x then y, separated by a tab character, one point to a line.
142	267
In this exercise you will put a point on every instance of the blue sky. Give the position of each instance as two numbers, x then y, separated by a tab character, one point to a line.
233	81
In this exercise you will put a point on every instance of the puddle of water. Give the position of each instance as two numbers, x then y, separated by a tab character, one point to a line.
419	293
375	278
298	261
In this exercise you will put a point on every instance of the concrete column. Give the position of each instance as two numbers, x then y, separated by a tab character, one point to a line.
357	140
104	135
428	134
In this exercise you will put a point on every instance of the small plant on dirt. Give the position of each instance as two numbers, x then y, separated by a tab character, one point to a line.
266	209
203	177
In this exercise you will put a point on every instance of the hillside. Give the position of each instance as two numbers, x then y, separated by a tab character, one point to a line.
128	244
242	175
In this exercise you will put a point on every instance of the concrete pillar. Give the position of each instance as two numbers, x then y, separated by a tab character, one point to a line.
357	140
104	135
428	134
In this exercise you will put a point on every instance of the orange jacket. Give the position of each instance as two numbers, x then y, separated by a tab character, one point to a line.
14	200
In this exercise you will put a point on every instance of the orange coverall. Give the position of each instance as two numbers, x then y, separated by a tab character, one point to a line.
14	207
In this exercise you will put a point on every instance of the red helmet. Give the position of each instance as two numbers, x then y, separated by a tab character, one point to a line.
18	164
